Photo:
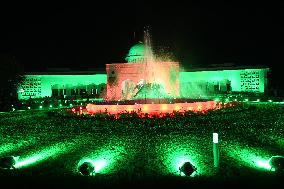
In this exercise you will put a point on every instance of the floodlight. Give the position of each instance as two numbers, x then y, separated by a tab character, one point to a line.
187	168
8	162
277	163
87	168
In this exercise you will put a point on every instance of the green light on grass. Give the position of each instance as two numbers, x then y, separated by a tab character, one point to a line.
40	156
226	100
263	164
254	158
9	147
216	99
177	151
29	161
246	100
70	105
50	106
176	157
235	100
29	108
269	100
60	105
40	107
104	160
4	148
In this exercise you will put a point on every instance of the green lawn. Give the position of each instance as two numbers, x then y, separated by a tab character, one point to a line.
143	151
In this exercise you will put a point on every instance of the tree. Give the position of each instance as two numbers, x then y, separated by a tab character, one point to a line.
11	76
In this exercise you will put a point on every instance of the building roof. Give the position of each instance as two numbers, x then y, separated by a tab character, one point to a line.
67	71
218	67
137	51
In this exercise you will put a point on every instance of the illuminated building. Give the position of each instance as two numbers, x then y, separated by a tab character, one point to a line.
121	81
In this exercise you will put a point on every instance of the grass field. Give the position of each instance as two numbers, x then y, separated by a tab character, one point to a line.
143	152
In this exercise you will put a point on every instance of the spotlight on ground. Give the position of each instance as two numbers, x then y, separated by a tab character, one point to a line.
87	168
277	163
187	168
8	162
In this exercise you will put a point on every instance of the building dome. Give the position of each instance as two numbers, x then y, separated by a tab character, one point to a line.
136	53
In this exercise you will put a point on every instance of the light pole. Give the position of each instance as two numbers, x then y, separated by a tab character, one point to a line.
215	150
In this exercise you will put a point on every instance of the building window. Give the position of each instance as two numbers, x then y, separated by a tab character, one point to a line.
216	88
94	91
250	80
74	91
83	91
228	85
54	92
32	87
62	91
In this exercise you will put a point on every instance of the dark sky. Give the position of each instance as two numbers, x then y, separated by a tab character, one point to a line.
90	35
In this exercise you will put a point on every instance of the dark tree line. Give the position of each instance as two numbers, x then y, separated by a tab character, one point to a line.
11	76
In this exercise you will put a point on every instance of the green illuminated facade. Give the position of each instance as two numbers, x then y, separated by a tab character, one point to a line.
193	83
67	84
223	80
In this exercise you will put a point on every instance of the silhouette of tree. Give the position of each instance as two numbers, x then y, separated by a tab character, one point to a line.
11	76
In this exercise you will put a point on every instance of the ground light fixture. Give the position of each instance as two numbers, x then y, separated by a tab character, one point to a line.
277	163
8	162
187	168
87	168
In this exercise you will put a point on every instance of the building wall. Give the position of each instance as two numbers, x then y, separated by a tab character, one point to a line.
190	83
167	72
37	86
242	80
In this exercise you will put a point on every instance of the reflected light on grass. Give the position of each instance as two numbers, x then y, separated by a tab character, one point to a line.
52	151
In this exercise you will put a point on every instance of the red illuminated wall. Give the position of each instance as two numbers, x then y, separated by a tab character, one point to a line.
153	108
168	72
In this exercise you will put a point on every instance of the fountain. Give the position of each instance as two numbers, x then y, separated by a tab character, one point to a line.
146	84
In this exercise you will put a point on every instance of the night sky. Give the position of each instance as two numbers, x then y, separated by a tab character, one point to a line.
81	36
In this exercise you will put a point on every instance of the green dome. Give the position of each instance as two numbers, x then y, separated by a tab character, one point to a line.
136	53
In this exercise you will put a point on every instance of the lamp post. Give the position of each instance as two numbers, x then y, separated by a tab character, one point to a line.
215	150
